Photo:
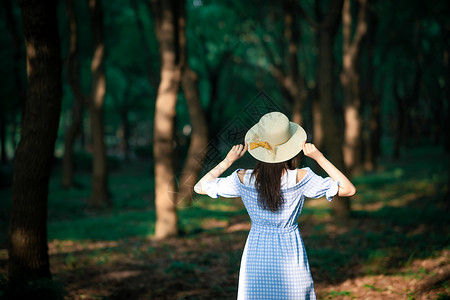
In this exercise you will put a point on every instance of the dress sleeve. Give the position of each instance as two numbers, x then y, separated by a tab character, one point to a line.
227	187
318	186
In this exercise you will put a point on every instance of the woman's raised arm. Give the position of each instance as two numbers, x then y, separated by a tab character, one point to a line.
236	152
346	188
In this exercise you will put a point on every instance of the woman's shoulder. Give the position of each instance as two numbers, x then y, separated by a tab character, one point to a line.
241	173
301	173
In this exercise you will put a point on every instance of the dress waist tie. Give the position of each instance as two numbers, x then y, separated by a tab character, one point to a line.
273	229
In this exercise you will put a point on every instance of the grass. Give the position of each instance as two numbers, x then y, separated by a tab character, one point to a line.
399	229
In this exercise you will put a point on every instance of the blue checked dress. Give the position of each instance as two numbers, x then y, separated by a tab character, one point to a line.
274	263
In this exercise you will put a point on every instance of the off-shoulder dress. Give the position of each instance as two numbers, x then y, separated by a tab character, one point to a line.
274	263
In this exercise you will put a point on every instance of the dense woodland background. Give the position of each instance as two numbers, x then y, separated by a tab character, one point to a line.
111	110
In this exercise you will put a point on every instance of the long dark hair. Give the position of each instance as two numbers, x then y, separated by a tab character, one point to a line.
268	182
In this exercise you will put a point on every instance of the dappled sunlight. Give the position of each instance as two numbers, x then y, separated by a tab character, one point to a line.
112	253
66	246
415	280
97	59
221	205
213	223
243	226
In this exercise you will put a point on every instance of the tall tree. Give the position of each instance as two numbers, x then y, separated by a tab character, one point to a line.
166	16
199	134
99	193
214	73
446	63
372	142
73	76
284	64
289	77
16	73
350	82
332	137
327	27
94	102
28	251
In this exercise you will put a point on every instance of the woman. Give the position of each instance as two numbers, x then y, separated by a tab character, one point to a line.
274	264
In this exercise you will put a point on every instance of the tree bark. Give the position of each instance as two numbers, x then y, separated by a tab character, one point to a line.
4	158
99	194
350	84
166	20
446	63
67	180
332	136
290	80
401	120
18	85
28	251
73	75
125	143
199	134
317	123
17	45
409	99
293	82
373	149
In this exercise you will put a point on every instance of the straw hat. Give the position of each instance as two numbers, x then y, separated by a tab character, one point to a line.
274	139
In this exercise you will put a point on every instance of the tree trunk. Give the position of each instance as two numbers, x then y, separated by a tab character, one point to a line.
73	75
69	141
28	251
332	136
199	137
4	157
401	119
446	63
350	84
293	82
17	46
317	123
374	136
16	73
199	134
214	80
14	133
125	143
167	34
99	194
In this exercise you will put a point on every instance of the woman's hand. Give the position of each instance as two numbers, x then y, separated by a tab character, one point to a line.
346	188
311	151
236	152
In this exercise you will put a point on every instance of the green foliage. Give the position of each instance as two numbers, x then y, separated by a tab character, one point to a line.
334	294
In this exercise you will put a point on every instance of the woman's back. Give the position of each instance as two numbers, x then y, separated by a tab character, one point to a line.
288	179
274	246
294	193
274	263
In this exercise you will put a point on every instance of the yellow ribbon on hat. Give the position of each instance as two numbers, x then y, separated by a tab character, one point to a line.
257	142
264	144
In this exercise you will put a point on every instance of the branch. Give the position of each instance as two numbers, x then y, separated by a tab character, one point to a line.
361	27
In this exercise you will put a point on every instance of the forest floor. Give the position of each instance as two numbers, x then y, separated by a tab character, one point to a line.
396	245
